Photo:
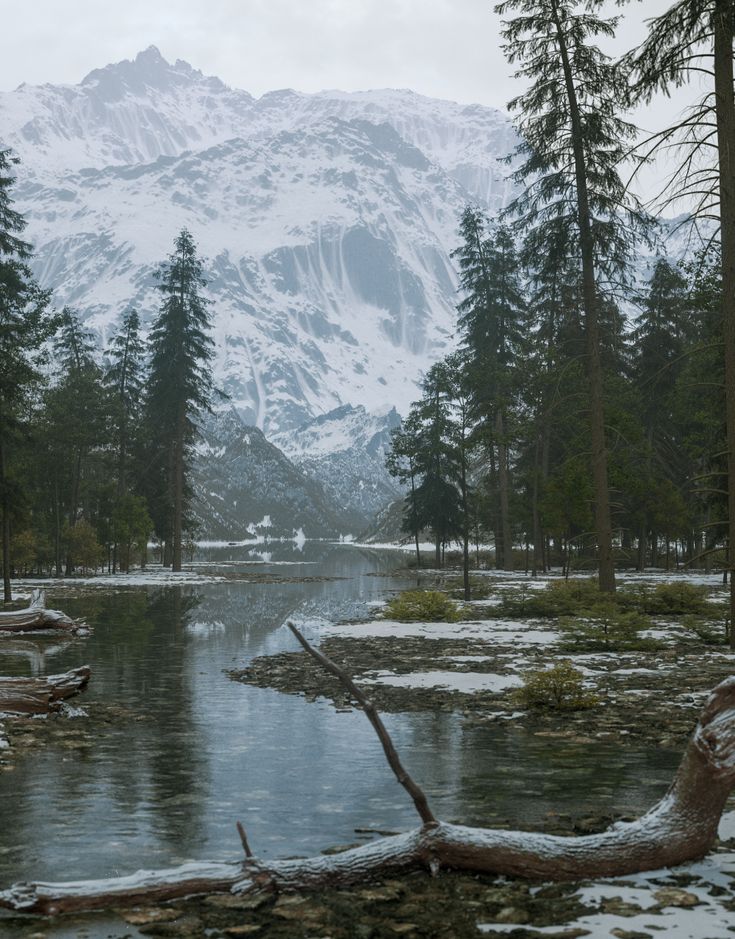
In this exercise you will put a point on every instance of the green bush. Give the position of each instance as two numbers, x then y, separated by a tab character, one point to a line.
607	631
422	606
559	598
480	588
675	599
559	688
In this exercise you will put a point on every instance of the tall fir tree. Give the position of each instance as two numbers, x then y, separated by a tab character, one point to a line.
180	383
124	380
490	316
691	38
77	427
25	326
573	142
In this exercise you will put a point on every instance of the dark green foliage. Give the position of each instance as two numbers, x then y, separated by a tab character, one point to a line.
607	631
558	688
180	387
25	326
572	597
673	599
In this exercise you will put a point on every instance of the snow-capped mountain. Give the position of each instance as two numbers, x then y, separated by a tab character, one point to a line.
345	451
326	220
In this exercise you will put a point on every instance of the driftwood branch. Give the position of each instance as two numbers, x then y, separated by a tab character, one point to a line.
41	695
680	827
415	791
37	617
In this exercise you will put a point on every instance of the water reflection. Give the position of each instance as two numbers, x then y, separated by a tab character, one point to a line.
180	752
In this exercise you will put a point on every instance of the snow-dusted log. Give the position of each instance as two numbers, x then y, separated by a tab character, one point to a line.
682	826
37	617
41	695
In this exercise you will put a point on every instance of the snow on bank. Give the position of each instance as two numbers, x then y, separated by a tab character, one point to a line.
492	631
464	682
700	910
154	576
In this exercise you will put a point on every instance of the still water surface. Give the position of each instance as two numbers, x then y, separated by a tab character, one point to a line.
191	751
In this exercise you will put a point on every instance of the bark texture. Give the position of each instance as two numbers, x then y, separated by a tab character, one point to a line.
37	617
41	695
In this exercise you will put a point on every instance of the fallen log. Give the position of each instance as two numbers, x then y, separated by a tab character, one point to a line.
682	826
41	695
37	617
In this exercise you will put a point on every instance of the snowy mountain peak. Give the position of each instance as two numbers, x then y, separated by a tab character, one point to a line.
147	72
326	220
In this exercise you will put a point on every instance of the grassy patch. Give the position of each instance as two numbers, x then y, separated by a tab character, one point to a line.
419	606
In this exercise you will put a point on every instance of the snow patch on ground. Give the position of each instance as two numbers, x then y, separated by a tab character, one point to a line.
464	682
708	919
148	578
505	631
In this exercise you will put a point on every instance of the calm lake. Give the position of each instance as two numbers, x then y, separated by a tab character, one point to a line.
187	752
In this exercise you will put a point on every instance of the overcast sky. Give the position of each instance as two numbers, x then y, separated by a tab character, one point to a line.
442	48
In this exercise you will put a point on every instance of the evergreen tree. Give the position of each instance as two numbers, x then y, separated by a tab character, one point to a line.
25	326
489	319
402	462
573	143
180	382
695	37
124	380
77	427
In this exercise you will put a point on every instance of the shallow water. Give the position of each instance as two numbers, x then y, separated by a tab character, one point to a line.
191	751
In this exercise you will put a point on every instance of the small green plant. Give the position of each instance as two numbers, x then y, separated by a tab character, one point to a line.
559	688
672	599
559	598
422	606
711	634
480	588
607	631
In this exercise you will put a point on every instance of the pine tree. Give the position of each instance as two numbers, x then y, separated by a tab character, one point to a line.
77	425
180	382
124	380
401	461
573	143
695	37
25	326
489	319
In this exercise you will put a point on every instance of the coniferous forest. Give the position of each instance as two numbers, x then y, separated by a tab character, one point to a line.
552	632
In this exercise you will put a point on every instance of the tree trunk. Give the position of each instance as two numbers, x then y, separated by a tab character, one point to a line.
178	493
603	522
682	826
504	491
36	616
5	508
725	108
41	695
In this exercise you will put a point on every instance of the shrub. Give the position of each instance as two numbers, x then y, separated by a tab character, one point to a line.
559	598
711	634
422	606
607	631
480	587
559	688
675	599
